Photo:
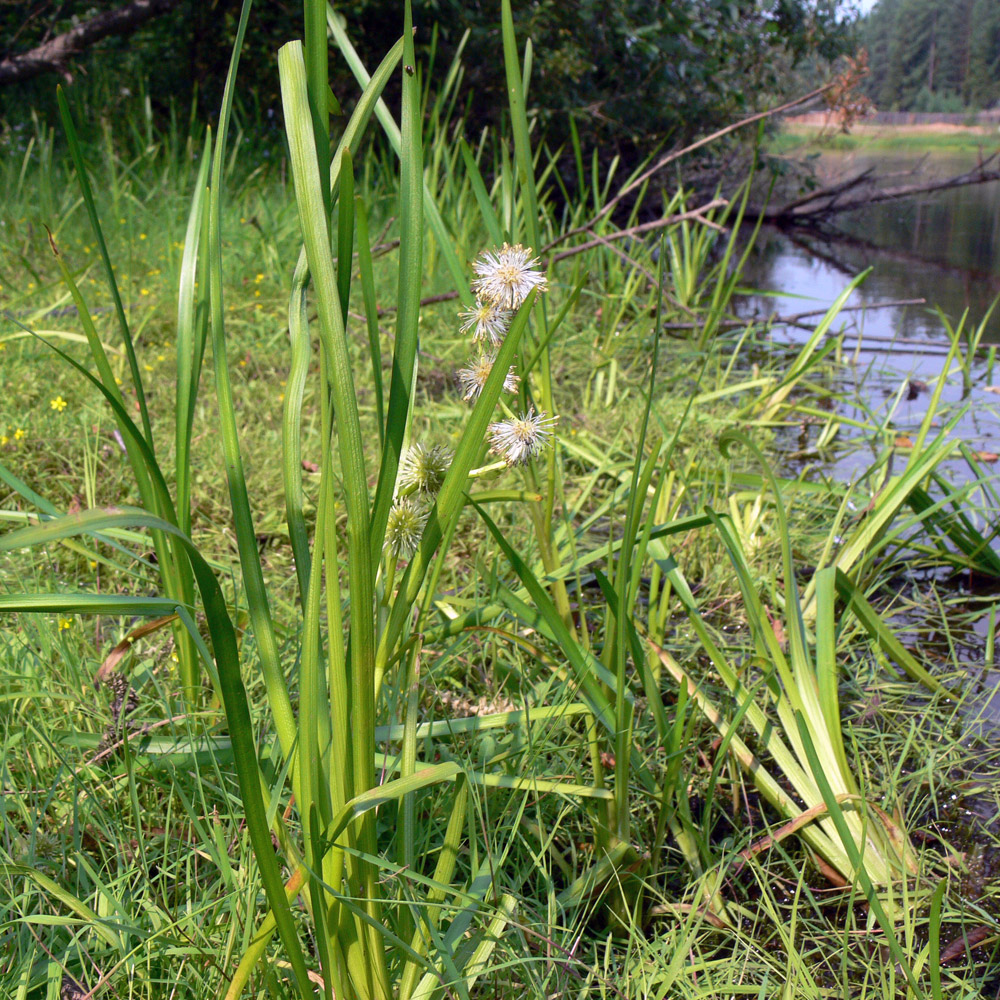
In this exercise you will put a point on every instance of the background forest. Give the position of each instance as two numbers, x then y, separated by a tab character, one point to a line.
627	76
927	55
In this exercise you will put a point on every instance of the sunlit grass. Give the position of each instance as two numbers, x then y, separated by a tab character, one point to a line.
598	840
885	140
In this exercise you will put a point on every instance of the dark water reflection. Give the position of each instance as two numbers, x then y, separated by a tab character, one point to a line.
943	247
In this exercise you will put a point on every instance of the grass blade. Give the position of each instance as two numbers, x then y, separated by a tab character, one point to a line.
88	199
367	273
246	537
411	235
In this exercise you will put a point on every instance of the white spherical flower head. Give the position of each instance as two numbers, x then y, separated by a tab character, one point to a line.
423	469
522	438
507	275
474	376
488	322
404	528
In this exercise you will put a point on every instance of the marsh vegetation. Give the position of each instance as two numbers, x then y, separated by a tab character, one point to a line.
326	672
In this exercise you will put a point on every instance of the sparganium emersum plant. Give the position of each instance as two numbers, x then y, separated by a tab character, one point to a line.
342	706
365	594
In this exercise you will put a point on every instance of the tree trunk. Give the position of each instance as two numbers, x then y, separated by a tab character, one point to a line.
54	55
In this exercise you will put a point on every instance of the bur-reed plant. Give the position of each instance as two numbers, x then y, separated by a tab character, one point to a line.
360	632
373	925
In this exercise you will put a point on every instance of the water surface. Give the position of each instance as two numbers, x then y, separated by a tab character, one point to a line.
943	247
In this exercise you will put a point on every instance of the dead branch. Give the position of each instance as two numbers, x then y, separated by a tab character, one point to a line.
864	307
798	319
54	55
863	190
620	234
669	158
645	227
831	192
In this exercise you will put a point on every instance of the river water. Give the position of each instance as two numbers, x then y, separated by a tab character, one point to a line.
942	247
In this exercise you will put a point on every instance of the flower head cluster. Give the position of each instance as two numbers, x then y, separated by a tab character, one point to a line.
520	439
506	276
404	527
504	279
473	377
487	321
421	475
423	469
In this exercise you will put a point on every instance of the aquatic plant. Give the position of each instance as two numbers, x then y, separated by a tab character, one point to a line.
328	746
391	872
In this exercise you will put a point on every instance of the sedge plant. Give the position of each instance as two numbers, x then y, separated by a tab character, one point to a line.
354	919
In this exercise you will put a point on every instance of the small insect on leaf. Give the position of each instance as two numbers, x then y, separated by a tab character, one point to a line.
409	70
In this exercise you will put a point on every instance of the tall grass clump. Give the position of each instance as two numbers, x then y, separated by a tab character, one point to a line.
384	871
364	595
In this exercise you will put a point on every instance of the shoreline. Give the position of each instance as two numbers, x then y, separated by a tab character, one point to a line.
794	137
814	122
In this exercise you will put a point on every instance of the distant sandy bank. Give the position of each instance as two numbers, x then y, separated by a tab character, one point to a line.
820	121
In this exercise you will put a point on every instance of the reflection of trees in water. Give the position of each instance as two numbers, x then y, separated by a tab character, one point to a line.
960	228
900	273
945	249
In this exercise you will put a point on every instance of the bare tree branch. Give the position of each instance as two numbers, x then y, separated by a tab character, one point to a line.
677	154
54	55
863	190
645	227
606	240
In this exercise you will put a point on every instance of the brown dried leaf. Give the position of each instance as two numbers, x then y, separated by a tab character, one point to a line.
957	947
113	658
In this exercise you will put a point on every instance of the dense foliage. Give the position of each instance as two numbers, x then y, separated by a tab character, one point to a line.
927	55
629	75
353	681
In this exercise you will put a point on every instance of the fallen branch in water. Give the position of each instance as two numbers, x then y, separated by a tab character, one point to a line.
774	319
862	190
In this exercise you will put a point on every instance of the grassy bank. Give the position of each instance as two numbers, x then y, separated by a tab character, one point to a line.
665	714
884	140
